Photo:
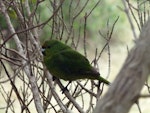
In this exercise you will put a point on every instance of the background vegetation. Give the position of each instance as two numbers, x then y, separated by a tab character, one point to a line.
102	30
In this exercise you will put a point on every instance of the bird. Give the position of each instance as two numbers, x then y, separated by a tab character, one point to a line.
65	63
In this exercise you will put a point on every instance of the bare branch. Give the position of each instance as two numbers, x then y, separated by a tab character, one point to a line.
126	88
129	18
26	68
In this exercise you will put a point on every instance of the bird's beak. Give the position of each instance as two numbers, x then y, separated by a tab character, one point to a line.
43	51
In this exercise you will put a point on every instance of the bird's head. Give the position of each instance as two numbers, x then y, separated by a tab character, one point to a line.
51	47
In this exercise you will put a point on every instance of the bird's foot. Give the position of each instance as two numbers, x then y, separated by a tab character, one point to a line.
54	78
64	89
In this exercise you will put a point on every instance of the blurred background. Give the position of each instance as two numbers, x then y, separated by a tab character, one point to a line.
99	29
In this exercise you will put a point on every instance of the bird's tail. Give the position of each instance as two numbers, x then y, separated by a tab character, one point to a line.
104	81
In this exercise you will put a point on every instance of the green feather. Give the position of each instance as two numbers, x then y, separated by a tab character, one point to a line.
52	47
65	63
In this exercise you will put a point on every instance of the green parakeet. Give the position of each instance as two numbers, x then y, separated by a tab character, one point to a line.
65	63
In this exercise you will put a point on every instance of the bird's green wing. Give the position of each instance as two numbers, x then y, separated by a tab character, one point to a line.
71	65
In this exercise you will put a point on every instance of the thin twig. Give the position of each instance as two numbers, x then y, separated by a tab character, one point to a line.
129	18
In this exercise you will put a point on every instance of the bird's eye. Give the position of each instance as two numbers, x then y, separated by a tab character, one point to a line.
48	47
